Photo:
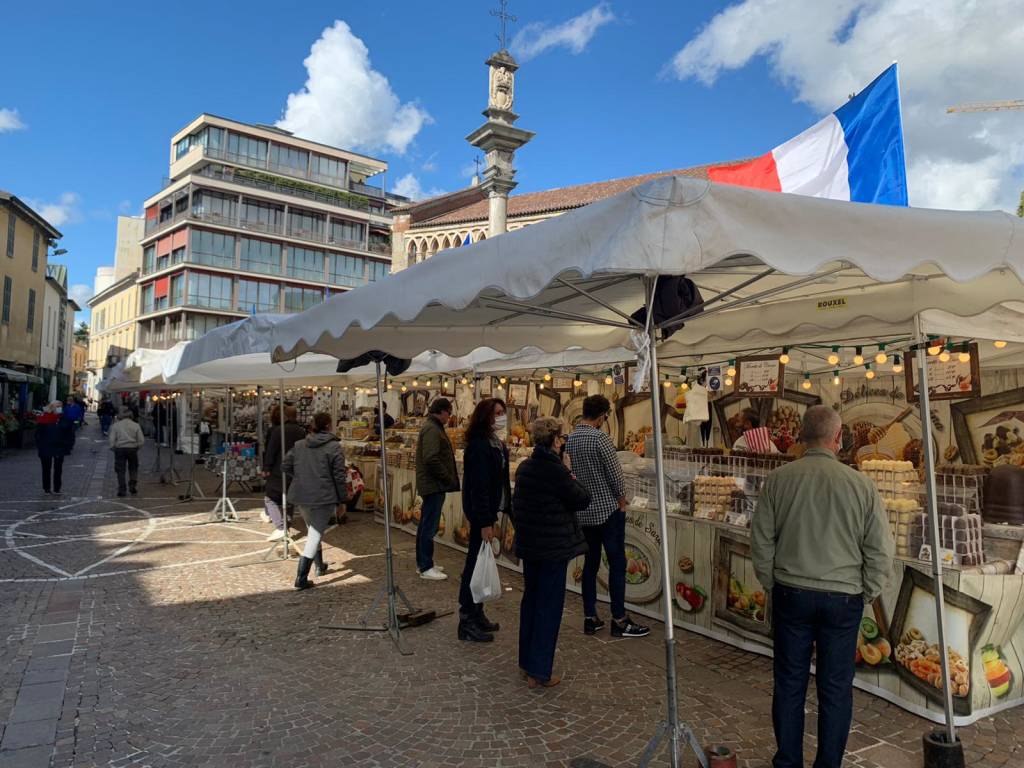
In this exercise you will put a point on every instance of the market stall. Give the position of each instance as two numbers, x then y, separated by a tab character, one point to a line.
579	279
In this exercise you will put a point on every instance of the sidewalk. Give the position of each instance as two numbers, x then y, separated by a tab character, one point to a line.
136	636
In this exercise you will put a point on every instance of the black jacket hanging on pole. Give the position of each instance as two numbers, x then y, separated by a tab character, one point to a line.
673	295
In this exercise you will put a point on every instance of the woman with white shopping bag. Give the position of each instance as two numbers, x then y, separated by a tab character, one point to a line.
486	493
548	537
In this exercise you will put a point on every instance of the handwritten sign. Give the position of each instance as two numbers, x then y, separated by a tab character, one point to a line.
760	376
950	380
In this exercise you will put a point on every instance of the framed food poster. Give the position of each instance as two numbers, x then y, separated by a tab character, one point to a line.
914	636
728	415
740	603
518	392
950	380
562	383
762	376
990	429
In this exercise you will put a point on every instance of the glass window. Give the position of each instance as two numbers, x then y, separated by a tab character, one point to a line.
176	329
31	311
299	299
306	263
328	169
261	256
178	255
261	216
257	296
309	226
247	150
181	205
35	251
202	324
289	159
343	231
213	249
148	259
147	299
177	290
182	147
348	270
162	262
379	270
206	290
210	205
11	223
166	213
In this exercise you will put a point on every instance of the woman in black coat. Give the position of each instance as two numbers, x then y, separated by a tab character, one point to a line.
273	453
55	438
486	493
548	536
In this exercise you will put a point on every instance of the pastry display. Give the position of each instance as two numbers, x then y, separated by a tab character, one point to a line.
922	658
713	496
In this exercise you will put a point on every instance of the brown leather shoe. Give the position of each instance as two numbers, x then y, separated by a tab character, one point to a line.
533	682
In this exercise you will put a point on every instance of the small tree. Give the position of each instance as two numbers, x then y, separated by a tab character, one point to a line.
1020	208
82	333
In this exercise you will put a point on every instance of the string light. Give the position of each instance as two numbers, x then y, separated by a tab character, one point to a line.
541	385
465	380
881	358
858	358
934	347
806	383
577	381
390	387
784	357
999	344
472	384
667	384
684	387
405	388
835	379
547	376
944	356
415	382
728	381
502	380
897	364
608	380
428	382
870	373
833	359
731	370
965	353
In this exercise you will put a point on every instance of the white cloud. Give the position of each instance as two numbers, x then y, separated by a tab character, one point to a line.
10	120
347	103
949	52
65	211
430	164
409	186
574	34
81	293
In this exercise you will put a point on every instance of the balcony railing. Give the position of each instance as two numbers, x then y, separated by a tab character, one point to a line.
381	248
366	189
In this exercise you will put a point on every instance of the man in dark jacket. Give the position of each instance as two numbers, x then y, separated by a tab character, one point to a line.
548	535
55	437
436	476
272	454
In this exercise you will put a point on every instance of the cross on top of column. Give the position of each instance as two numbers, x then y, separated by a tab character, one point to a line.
505	17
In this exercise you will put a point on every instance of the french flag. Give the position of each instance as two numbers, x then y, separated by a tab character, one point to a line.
854	154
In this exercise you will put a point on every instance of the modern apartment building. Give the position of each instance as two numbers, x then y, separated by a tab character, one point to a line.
25	237
252	220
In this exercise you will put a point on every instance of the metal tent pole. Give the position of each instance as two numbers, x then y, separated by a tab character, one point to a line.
933	528
389	589
287	540
671	727
259	426
193	489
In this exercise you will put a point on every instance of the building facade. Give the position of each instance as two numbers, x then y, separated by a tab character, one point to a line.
57	334
254	220
79	373
113	329
26	238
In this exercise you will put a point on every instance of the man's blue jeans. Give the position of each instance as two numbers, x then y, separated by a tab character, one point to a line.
430	518
610	535
826	622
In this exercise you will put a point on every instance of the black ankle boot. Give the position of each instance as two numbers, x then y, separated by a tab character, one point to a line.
483	622
470	631
321	566
302	575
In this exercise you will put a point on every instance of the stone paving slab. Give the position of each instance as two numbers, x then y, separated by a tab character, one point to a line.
177	645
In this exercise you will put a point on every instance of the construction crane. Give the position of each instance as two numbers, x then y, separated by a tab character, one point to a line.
987	106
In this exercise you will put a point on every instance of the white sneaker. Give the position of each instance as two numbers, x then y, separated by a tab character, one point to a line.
434	575
264	517
276	535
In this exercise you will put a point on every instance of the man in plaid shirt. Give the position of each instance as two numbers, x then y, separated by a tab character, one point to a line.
596	465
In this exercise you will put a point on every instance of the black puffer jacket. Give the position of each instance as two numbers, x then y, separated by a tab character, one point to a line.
484	482
272	455
544	508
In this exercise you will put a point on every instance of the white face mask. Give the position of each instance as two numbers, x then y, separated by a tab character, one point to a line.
58	410
501	426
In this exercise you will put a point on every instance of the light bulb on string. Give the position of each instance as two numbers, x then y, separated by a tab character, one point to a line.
869	374
731	370
541	385
965	353
835	379
881	358
415	382
472	384
465	380
390	387
897	364
577	381
806	383
944	356
833	359
668	383
858	357
684	387
728	381
428	382
404	388
608	380
934	347
784	357
547	376
502	380
999	344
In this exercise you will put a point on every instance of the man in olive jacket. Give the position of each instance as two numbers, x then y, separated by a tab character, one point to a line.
436	476
820	542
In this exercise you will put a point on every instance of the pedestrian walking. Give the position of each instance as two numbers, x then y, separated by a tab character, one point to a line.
55	439
821	543
106	413
273	453
548	535
486	493
73	411
125	440
595	462
436	476
316	466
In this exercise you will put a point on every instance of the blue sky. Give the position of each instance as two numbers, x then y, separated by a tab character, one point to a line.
95	91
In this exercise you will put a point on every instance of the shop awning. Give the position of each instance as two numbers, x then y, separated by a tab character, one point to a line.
17	377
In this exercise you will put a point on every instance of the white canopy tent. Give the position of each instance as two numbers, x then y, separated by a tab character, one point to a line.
574	281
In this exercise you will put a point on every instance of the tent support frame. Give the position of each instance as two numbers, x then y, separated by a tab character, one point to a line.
193	489
389	588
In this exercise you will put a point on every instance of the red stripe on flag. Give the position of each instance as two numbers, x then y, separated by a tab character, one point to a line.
759	173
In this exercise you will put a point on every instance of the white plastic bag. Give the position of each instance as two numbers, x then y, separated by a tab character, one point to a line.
485	584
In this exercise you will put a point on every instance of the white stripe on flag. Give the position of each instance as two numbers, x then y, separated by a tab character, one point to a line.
814	163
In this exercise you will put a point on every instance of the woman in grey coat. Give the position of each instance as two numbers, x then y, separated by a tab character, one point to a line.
316	466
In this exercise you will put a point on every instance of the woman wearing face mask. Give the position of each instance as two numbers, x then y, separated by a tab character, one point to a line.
486	493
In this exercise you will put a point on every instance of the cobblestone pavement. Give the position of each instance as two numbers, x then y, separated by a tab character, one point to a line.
136	636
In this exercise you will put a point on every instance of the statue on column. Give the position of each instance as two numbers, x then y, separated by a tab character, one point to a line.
501	91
